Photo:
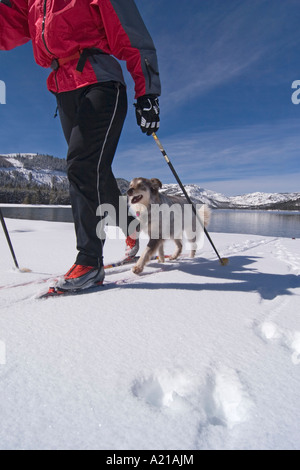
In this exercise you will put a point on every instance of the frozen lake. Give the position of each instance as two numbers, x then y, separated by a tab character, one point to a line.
268	223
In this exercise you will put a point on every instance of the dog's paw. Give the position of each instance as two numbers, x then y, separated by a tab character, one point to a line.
173	257
137	269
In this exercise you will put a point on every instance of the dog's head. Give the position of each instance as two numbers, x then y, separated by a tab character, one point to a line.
143	191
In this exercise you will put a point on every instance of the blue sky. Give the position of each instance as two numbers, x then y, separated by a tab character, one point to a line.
227	119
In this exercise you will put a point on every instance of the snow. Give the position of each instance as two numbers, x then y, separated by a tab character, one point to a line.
213	199
189	355
38	176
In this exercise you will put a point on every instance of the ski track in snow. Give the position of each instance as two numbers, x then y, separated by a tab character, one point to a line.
268	330
291	259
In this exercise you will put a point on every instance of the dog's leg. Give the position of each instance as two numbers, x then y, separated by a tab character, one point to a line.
191	232
149	251
161	253
197	228
193	243
178	250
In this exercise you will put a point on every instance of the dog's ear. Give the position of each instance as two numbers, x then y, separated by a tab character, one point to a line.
155	184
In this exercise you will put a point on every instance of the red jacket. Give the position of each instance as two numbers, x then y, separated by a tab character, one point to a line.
62	29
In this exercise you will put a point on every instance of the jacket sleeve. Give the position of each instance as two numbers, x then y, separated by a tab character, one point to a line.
14	29
129	40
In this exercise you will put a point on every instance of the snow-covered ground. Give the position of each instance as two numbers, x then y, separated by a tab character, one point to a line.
189	355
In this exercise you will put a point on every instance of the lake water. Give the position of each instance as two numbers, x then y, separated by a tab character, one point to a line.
267	223
49	213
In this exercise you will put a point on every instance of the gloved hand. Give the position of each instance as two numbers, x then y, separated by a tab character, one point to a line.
147	113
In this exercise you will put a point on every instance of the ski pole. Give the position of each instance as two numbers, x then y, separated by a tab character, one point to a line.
223	261
10	244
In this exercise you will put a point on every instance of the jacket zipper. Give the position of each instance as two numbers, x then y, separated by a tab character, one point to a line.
44	40
43	27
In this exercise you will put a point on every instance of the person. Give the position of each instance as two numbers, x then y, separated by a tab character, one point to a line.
80	41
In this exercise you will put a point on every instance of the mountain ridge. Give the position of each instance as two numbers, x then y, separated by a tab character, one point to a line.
42	179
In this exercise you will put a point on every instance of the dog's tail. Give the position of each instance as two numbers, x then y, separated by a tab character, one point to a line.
204	214
207	215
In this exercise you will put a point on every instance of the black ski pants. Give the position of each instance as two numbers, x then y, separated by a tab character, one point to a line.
92	118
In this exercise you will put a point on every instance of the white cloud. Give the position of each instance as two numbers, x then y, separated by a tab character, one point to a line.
288	183
218	44
260	157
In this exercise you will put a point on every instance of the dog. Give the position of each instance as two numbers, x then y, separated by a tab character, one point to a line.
164	217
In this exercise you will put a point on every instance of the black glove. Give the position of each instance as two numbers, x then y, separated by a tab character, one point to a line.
147	113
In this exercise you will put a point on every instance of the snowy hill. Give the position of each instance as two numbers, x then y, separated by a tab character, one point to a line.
36	179
288	201
44	171
40	169
190	355
33	179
